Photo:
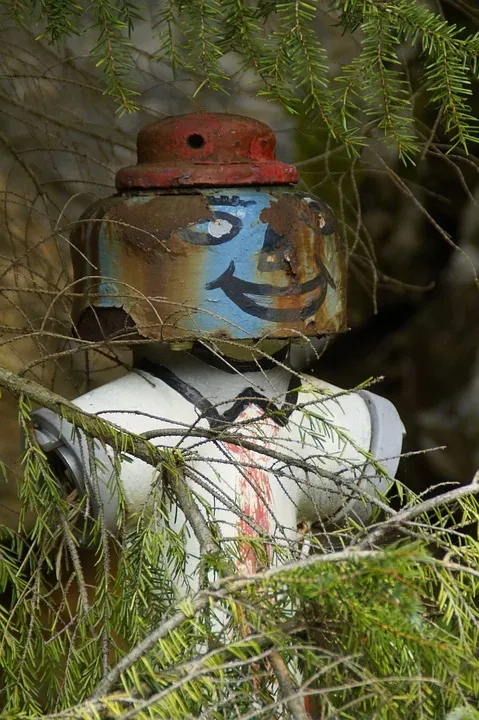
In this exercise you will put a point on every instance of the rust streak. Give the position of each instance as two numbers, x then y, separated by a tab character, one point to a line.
146	226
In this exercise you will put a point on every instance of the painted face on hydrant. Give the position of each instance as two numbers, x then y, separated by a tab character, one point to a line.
244	262
261	266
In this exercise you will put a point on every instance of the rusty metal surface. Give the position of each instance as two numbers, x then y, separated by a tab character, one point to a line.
223	263
206	149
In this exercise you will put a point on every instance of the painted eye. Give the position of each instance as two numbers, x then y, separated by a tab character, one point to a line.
272	253
326	218
221	229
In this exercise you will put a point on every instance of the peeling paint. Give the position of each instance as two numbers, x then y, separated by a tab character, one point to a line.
241	263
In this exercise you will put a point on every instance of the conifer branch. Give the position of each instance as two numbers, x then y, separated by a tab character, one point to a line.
213	595
291	64
191	511
138	445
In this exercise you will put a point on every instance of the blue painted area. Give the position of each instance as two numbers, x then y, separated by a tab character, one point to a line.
243	249
108	289
237	280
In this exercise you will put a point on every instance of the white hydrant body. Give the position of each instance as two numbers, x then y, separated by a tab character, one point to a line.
339	434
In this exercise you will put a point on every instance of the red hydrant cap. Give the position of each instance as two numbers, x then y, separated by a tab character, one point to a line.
204	150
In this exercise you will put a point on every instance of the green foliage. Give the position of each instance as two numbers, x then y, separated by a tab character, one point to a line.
372	94
377	633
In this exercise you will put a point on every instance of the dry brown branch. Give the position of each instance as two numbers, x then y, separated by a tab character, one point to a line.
405	516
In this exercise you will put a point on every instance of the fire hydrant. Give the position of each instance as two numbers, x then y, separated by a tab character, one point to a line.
210	264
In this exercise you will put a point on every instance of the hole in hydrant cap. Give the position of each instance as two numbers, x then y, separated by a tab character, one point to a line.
195	141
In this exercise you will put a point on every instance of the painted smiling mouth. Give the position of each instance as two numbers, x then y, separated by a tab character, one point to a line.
239	292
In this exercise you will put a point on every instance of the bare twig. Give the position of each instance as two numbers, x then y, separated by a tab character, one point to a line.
293	699
408	514
191	511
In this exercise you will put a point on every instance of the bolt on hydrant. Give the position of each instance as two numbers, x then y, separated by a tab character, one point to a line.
211	264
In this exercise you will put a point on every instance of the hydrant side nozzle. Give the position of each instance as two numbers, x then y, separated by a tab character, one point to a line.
69	446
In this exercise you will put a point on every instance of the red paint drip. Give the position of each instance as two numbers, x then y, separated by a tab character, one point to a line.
253	487
253	491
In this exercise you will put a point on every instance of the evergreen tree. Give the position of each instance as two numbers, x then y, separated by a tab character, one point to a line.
372	92
378	621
